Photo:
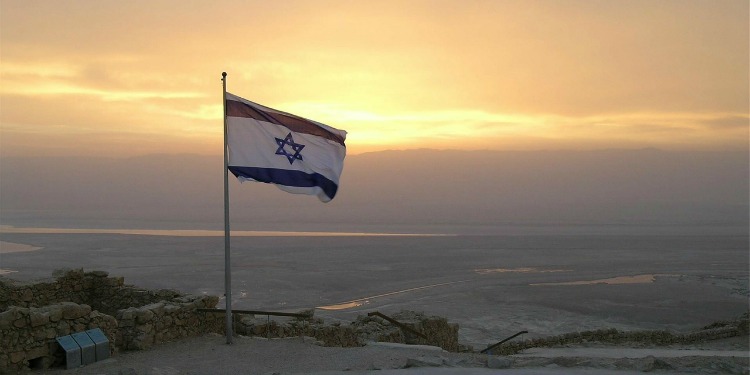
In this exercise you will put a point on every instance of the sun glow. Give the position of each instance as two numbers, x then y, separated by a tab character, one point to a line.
392	76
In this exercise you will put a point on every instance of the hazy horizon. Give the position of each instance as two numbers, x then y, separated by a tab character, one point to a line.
403	191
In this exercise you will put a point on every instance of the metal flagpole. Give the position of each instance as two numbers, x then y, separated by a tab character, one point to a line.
227	264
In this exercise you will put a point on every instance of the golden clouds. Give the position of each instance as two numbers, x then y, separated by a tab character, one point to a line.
447	74
477	129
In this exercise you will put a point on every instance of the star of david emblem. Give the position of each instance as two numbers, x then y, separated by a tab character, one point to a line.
296	148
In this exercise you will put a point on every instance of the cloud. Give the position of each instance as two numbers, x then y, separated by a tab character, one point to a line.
729	122
515	74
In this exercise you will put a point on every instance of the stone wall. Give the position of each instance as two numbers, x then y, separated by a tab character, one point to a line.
716	331
102	293
437	329
140	328
27	335
336	334
32	316
366	328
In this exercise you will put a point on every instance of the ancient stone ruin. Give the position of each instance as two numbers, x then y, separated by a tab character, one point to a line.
32	316
436	330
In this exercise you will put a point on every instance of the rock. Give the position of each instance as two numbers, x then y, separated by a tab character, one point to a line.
651	363
55	314
156	308
309	312
16	357
38	318
27	295
6	319
37	352
51	333
72	310
143	316
127	314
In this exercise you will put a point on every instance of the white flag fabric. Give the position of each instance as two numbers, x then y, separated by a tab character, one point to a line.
298	155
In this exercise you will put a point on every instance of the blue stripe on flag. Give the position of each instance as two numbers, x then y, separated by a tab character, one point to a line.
287	177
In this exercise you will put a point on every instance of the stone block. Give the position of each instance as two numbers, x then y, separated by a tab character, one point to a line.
211	301
72	310
143	316
126	323
39	351
86	309
27	295
116	281
156	308
17	357
51	333
127	314
38	318
40	334
6	319
63	328
55	314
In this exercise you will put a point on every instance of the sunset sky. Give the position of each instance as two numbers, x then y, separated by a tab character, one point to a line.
125	78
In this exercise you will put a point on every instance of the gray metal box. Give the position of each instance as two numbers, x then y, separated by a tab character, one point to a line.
88	349
72	351
101	343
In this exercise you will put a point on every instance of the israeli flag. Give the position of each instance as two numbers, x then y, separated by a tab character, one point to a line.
298	155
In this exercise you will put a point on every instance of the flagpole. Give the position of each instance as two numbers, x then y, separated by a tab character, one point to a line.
227	264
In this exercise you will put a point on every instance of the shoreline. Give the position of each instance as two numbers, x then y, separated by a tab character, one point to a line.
13	247
206	232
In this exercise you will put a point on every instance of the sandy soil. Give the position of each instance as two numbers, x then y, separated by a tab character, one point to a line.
10	247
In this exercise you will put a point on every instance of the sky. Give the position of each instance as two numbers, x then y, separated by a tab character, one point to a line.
118	79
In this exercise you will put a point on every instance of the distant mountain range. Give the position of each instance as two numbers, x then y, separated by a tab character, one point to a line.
395	190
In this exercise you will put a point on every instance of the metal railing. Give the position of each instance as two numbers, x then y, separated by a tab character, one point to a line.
398	324
489	348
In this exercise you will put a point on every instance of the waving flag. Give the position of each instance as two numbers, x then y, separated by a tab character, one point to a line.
298	155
